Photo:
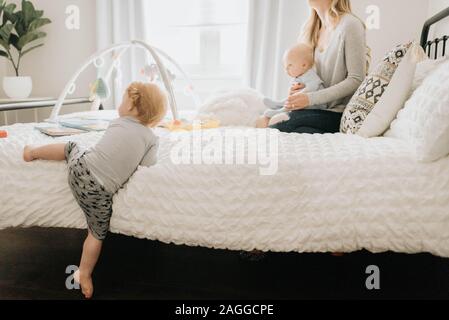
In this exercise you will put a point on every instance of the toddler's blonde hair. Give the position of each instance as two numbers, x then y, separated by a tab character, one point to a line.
149	101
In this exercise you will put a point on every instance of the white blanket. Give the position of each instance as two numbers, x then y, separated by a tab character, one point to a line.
335	193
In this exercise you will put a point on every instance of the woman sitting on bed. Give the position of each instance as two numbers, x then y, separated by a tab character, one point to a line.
339	42
95	175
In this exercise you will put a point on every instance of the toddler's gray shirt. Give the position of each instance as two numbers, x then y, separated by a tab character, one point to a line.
126	144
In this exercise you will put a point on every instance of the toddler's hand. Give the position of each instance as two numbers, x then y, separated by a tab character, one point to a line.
296	88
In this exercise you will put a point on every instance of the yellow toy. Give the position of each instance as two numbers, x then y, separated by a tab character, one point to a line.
198	124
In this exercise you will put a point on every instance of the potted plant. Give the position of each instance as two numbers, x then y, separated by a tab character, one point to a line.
19	31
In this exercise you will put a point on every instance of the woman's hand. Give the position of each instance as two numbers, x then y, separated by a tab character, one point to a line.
297	101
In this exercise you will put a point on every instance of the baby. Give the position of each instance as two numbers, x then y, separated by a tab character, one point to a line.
298	63
95	175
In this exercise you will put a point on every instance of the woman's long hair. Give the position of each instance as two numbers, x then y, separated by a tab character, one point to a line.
311	29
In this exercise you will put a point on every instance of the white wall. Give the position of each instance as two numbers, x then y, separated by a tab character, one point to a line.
442	28
52	65
2	71
400	21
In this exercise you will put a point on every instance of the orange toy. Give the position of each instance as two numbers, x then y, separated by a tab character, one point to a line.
3	134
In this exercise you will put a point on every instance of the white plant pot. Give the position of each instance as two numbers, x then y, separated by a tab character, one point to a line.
17	87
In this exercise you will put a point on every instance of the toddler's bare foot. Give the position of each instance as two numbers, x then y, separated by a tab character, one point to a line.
87	286
28	154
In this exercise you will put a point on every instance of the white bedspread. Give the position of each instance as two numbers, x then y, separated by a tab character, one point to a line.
332	193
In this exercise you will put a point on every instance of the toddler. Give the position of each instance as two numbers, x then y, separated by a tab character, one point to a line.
298	63
95	175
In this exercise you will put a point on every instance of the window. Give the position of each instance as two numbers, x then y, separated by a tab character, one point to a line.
206	37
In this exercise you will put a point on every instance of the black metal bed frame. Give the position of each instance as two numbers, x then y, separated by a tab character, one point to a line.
427	44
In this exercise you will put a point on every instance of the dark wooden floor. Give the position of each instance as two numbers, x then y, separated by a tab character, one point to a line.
33	263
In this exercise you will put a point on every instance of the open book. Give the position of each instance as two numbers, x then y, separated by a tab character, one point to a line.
85	124
58	131
72	126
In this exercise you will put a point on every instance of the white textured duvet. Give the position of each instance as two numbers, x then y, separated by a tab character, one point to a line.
331	193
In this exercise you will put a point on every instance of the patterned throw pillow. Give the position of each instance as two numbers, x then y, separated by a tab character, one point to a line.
371	90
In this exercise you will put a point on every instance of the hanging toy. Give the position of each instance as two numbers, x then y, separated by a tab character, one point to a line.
99	90
151	71
188	90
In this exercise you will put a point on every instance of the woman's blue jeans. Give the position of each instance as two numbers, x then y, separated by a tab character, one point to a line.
311	121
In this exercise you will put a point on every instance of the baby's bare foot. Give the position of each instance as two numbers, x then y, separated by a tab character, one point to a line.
262	123
87	286
282	117
28	154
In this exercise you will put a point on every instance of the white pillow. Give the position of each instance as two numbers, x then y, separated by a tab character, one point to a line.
240	107
423	70
424	122
393	100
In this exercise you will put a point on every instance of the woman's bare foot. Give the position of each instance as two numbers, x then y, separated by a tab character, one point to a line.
28	154
86	283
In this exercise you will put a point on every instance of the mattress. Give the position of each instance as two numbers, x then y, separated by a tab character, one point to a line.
330	193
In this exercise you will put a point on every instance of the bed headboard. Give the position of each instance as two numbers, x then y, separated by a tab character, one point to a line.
438	45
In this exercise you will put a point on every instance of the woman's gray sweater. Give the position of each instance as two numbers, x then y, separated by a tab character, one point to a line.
342	66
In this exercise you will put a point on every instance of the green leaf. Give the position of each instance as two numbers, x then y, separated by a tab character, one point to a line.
5	31
10	7
38	14
4	44
2	6
28	12
8	13
20	26
13	40
38	23
30	49
29	37
4	54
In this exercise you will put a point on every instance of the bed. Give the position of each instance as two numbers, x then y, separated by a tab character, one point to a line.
331	193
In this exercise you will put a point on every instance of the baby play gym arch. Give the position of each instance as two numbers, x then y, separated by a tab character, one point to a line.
156	60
